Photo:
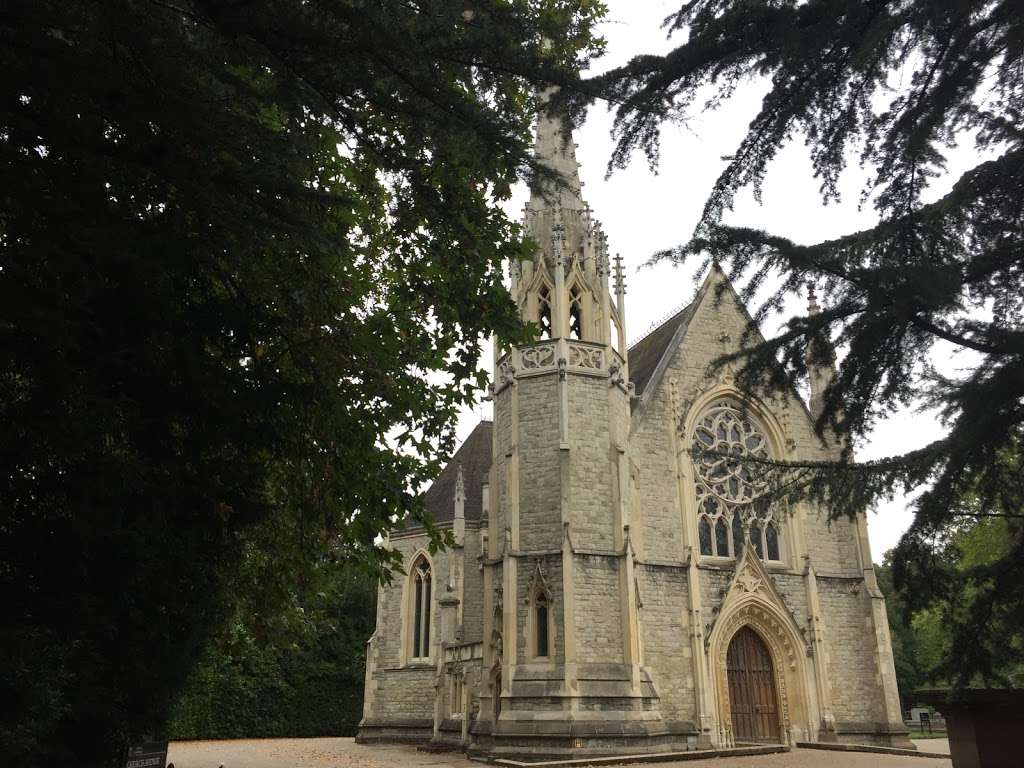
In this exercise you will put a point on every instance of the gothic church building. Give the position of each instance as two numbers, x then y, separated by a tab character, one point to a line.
607	593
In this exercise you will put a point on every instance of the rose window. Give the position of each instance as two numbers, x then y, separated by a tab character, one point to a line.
729	488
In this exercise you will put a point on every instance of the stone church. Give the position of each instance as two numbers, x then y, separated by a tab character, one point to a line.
607	592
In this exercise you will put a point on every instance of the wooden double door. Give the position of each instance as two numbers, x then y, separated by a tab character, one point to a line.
752	696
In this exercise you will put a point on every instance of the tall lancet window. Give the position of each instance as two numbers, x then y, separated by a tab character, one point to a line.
728	489
544	312
420	608
575	313
542	627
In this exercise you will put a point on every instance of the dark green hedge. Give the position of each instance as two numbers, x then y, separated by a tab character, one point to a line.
248	689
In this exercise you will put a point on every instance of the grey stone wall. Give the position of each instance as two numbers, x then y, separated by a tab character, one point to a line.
658	521
590	485
665	634
551	567
404	691
598	610
503	445
473	590
540	518
856	683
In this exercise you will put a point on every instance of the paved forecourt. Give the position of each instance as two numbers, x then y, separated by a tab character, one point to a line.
345	753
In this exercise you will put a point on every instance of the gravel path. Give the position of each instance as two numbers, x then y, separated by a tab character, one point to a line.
932	745
345	753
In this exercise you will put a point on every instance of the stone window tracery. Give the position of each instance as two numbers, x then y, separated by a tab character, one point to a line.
540	637
575	313
420	608
457	693
729	490
544	312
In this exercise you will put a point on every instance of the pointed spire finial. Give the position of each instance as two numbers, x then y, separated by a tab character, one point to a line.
620	283
460	484
556	149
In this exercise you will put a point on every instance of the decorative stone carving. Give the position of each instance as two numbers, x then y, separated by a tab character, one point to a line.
753	601
506	372
616	378
748	581
538	584
540	356
777	639
581	356
726	445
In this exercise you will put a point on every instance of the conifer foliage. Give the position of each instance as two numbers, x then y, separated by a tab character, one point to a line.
896	84
248	251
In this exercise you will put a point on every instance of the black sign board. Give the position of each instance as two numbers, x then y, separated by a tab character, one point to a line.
149	755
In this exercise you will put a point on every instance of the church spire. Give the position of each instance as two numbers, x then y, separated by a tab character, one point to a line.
564	288
555	149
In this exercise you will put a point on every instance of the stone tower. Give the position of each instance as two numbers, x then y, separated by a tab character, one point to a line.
561	652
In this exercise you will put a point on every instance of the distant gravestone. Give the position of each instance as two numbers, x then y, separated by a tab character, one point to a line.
917	714
149	755
926	721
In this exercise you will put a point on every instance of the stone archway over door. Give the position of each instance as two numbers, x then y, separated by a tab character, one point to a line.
752	696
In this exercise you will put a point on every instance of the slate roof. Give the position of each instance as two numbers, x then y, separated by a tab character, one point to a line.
475	456
645	354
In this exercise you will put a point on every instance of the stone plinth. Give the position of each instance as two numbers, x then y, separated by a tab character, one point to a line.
984	725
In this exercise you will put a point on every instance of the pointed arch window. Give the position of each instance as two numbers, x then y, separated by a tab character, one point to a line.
575	312
728	489
420	609
539	627
544	312
542	620
771	538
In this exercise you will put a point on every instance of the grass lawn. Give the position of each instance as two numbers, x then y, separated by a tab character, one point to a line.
927	734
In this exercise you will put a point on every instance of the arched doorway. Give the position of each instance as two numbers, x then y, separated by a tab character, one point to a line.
752	697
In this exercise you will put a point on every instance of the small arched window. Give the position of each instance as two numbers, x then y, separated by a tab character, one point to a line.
728	489
575	313
420	608
544	312
542	622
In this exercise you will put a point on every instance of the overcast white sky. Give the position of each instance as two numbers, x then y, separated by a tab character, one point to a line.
643	212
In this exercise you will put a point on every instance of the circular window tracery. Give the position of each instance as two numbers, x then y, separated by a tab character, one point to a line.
728	489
